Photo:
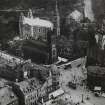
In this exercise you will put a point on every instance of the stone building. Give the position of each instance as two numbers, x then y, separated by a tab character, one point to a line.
71	48
40	44
51	84
28	91
12	65
34	27
65	48
55	77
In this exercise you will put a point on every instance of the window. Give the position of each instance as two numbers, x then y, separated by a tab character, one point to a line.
54	52
39	30
43	30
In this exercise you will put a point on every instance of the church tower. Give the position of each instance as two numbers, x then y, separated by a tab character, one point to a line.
53	49
55	77
51	37
21	19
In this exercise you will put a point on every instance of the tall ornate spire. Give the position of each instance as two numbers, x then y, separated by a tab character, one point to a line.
30	15
58	19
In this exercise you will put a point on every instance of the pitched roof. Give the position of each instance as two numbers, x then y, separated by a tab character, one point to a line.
38	22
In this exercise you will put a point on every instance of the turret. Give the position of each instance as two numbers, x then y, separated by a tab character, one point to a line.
21	20
30	15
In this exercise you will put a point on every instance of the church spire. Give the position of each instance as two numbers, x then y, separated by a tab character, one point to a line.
21	20
58	19
30	15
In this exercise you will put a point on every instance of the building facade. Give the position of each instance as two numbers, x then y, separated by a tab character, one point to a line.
96	77
74	16
17	67
40	41
28	91
7	97
35	28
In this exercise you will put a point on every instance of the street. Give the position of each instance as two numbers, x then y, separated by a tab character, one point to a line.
76	94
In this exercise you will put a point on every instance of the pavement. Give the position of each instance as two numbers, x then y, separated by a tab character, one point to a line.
76	95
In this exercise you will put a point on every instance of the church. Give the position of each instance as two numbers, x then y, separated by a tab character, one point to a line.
34	27
39	38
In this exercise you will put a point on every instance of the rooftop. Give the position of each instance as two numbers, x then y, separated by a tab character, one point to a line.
6	96
38	22
10	58
76	15
29	85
